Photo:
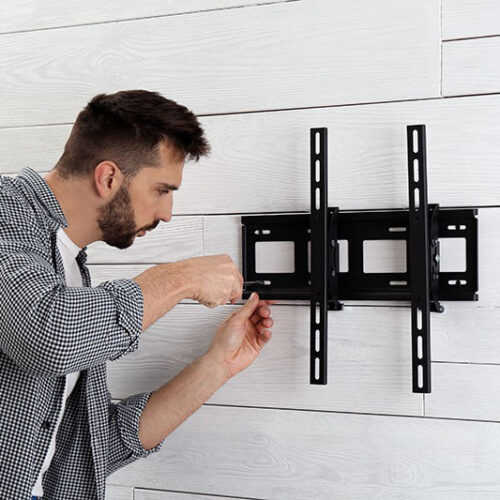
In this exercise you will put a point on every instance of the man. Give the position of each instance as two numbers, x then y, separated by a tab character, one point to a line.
60	434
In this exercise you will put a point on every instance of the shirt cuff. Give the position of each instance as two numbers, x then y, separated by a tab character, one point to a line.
129	412
129	306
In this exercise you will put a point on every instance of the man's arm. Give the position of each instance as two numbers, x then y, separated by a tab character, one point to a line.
163	286
174	402
211	280
236	344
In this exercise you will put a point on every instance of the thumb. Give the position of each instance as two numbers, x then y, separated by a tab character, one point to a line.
250	305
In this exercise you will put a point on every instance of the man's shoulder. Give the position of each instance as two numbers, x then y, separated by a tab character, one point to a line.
17	212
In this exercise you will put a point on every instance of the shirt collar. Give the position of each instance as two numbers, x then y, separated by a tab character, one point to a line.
47	198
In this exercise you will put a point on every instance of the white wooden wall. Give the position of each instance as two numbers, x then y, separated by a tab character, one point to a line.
260	74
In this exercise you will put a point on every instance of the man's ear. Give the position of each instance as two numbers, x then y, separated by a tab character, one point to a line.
108	178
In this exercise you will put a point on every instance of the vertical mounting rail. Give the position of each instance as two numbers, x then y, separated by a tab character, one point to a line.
419	258
319	255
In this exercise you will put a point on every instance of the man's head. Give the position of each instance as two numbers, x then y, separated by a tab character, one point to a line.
123	146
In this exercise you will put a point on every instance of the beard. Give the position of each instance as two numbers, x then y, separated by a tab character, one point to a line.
116	220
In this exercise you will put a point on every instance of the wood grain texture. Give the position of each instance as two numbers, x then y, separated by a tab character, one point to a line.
27	15
480	57
114	492
465	391
272	454
465	19
263	158
284	55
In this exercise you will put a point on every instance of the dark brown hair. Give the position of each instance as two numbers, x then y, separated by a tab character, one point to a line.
127	128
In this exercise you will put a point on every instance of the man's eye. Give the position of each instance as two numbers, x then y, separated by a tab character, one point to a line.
164	191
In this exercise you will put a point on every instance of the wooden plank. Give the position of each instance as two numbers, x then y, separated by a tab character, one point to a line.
465	19
141	494
31	15
264	157
114	492
464	391
480	58
181	238
369	362
283	55
272	454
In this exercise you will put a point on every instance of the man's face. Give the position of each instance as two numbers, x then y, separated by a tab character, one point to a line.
142	203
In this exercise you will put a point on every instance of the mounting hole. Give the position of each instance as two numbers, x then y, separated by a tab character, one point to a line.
384	256
317	313
316	368
416	198
317	341
415	141
317	142
453	255
397	229
256	231
420	376
420	348
419	318
266	231
415	170
398	283
274	257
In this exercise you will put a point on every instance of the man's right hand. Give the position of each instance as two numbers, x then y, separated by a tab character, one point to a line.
213	280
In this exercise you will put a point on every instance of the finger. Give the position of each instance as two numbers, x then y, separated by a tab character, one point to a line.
249	307
264	338
264	323
260	312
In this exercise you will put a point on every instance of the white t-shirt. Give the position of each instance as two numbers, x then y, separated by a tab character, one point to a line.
68	251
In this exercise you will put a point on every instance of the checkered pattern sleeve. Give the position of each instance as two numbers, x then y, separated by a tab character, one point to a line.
124	443
49	329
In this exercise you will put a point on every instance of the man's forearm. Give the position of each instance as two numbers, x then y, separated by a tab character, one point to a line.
174	402
163	286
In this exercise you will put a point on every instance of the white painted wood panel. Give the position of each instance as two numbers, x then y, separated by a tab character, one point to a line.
369	359
369	362
114	492
263	158
471	67
465	391
465	19
369	367
285	55
181	238
141	494
314	455
27	15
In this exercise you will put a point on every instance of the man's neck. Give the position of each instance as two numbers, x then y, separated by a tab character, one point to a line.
71	196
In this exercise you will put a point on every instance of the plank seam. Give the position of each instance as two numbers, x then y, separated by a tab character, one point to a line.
478	37
383	415
115	21
280	110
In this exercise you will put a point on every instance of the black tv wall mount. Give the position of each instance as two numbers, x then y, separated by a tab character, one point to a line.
421	226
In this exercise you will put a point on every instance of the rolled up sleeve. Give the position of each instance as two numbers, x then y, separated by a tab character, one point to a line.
50	329
124	444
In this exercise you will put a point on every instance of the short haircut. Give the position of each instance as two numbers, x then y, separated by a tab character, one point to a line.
127	127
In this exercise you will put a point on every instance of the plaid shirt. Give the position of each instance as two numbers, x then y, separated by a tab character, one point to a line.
48	330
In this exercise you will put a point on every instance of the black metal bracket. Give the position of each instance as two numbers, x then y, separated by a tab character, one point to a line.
317	277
